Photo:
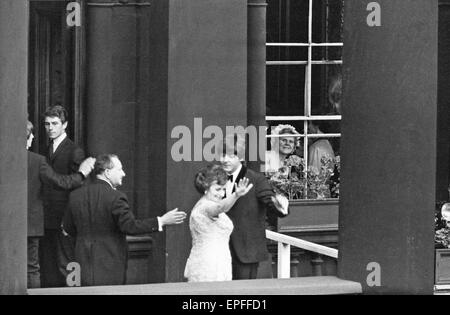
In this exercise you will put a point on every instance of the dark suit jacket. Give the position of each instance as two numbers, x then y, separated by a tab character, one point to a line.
100	218
66	160
248	240
39	173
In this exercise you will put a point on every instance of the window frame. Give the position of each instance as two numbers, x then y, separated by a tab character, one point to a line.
309	63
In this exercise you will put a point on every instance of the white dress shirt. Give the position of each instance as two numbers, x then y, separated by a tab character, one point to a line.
58	141
230	184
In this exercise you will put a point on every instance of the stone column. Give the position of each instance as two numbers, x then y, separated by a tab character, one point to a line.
256	67
386	215
13	156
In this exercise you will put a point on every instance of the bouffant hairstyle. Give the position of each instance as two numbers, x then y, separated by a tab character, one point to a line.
208	175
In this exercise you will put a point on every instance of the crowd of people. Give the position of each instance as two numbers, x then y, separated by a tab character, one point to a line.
97	217
73	219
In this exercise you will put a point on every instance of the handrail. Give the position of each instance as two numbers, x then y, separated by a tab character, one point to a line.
284	250
312	247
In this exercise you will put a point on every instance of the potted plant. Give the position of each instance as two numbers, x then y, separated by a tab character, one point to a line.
442	243
313	195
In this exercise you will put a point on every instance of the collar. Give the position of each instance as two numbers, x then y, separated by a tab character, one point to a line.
106	181
236	172
58	141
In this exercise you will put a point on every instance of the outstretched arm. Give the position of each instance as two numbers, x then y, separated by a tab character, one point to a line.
275	203
50	177
128	224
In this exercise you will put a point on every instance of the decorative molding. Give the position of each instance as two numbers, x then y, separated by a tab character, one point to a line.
119	4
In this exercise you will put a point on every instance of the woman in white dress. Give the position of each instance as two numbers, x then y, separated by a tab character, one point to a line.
281	147
210	257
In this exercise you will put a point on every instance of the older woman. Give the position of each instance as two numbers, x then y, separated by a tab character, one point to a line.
281	147
210	257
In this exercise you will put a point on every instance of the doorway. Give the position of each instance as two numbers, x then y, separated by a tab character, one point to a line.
56	69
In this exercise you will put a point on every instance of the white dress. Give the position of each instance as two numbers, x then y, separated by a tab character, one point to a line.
210	257
317	150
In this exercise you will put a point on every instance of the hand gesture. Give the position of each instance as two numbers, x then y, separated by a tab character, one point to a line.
87	166
173	217
243	187
281	203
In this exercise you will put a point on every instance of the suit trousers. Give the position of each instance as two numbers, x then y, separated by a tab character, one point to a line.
57	251
33	270
242	271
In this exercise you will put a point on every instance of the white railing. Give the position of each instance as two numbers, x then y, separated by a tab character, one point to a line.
284	251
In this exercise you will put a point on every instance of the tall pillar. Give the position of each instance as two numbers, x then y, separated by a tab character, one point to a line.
386	221
200	71
112	82
13	157
152	67
256	67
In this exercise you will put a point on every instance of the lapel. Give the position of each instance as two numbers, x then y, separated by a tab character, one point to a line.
64	143
240	176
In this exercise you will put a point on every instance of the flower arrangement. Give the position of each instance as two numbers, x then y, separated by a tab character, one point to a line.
442	226
295	183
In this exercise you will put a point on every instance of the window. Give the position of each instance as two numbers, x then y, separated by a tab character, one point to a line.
304	80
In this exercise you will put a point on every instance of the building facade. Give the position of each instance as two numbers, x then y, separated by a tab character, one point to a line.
130	72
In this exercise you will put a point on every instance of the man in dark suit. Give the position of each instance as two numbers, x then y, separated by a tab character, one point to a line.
99	216
64	157
39	173
248	243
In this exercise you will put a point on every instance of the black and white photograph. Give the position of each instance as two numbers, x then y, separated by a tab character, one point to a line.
224	151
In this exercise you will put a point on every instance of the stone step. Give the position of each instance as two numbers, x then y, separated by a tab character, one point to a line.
294	286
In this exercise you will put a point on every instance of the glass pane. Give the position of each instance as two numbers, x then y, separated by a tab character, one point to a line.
275	53
323	168
292	132
326	90
285	90
327	53
328	21
275	127
287	21
316	178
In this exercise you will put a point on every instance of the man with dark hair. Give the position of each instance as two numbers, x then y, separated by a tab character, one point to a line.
64	156
248	243
39	173
99	217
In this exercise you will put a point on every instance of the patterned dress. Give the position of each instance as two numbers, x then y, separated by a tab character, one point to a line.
210	257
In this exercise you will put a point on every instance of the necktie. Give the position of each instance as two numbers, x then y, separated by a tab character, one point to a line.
50	148
229	186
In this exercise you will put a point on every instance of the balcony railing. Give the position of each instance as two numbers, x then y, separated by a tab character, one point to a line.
284	251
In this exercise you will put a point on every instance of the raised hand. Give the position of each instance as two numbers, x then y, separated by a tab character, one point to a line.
173	217
87	166
243	187
281	203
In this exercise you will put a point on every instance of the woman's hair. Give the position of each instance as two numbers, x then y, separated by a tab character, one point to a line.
208	175
335	91
282	130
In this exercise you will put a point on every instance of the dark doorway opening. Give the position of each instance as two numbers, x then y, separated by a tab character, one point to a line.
55	68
